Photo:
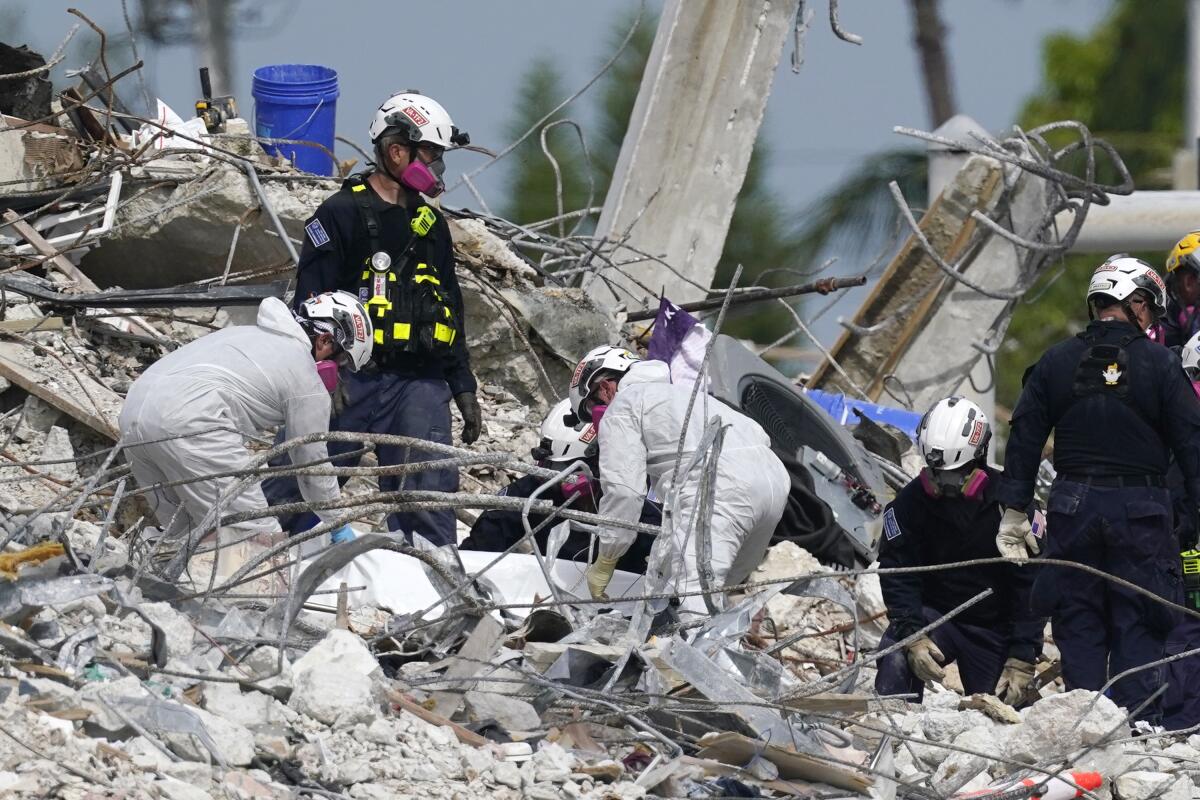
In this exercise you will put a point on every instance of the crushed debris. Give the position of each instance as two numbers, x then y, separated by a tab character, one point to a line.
384	669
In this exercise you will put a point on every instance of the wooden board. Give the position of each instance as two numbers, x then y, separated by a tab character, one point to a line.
734	748
950	229
417	710
48	380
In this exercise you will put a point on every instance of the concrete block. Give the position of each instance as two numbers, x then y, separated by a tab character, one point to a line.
510	712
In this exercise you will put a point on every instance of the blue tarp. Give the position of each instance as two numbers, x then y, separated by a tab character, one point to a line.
841	408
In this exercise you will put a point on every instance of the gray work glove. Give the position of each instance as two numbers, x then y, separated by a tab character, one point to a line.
1017	538
339	398
472	418
1014	681
924	659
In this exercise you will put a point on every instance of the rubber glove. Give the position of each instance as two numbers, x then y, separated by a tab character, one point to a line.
1018	537
1014	681
468	406
599	574
923	659
343	534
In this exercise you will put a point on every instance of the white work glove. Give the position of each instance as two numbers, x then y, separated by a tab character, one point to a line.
1014	681
923	659
599	574
1017	538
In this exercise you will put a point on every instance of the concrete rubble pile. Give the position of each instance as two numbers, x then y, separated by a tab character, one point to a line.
114	682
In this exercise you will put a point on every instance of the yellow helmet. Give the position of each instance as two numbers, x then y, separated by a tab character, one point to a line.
1184	254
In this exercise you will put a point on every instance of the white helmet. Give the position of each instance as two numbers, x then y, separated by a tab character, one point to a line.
602	359
1122	275
563	442
340	314
422	118
1191	357
953	433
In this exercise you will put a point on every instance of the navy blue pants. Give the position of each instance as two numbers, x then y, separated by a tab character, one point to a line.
979	652
1102	629
381	402
1181	703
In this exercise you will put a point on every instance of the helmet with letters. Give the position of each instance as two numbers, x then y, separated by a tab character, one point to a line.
421	118
600	360
341	315
954	433
1121	275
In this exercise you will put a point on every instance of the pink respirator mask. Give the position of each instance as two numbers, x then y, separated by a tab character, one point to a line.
328	370
971	488
578	485
424	178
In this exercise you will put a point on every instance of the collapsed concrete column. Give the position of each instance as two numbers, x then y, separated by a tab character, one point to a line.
688	144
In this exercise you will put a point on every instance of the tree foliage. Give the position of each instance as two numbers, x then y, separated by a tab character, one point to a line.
1125	81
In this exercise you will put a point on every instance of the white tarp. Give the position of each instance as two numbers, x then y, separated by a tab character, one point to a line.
398	582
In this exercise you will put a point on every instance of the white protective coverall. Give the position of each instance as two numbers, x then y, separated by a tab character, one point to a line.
639	436
208	394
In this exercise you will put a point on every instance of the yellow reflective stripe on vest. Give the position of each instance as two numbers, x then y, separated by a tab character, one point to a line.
358	187
443	333
427	279
379	336
401	331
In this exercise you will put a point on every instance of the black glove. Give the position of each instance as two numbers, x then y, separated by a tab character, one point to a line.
472	418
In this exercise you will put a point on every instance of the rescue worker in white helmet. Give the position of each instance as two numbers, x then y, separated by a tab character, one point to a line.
380	239
562	443
641	416
1118	405
187	416
949	513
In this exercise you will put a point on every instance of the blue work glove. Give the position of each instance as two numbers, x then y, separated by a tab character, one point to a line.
343	534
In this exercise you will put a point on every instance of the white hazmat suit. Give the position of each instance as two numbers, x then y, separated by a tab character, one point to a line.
187	414
639	438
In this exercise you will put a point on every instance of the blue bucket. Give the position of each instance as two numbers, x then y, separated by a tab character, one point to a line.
297	101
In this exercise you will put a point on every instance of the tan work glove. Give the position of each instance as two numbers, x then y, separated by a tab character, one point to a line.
599	574
1014	681
924	659
1016	537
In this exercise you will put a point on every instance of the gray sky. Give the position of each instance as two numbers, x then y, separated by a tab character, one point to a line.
471	54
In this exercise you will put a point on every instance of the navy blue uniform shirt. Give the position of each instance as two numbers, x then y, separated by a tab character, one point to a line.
1101	434
919	531
336	250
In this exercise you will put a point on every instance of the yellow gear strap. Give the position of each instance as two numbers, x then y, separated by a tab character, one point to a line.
443	333
401	331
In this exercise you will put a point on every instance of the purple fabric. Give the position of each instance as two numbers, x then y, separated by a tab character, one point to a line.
670	326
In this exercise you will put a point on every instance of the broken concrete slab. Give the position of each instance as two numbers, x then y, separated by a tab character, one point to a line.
335	682
512	713
1139	785
1059	724
234	743
57	448
37	417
